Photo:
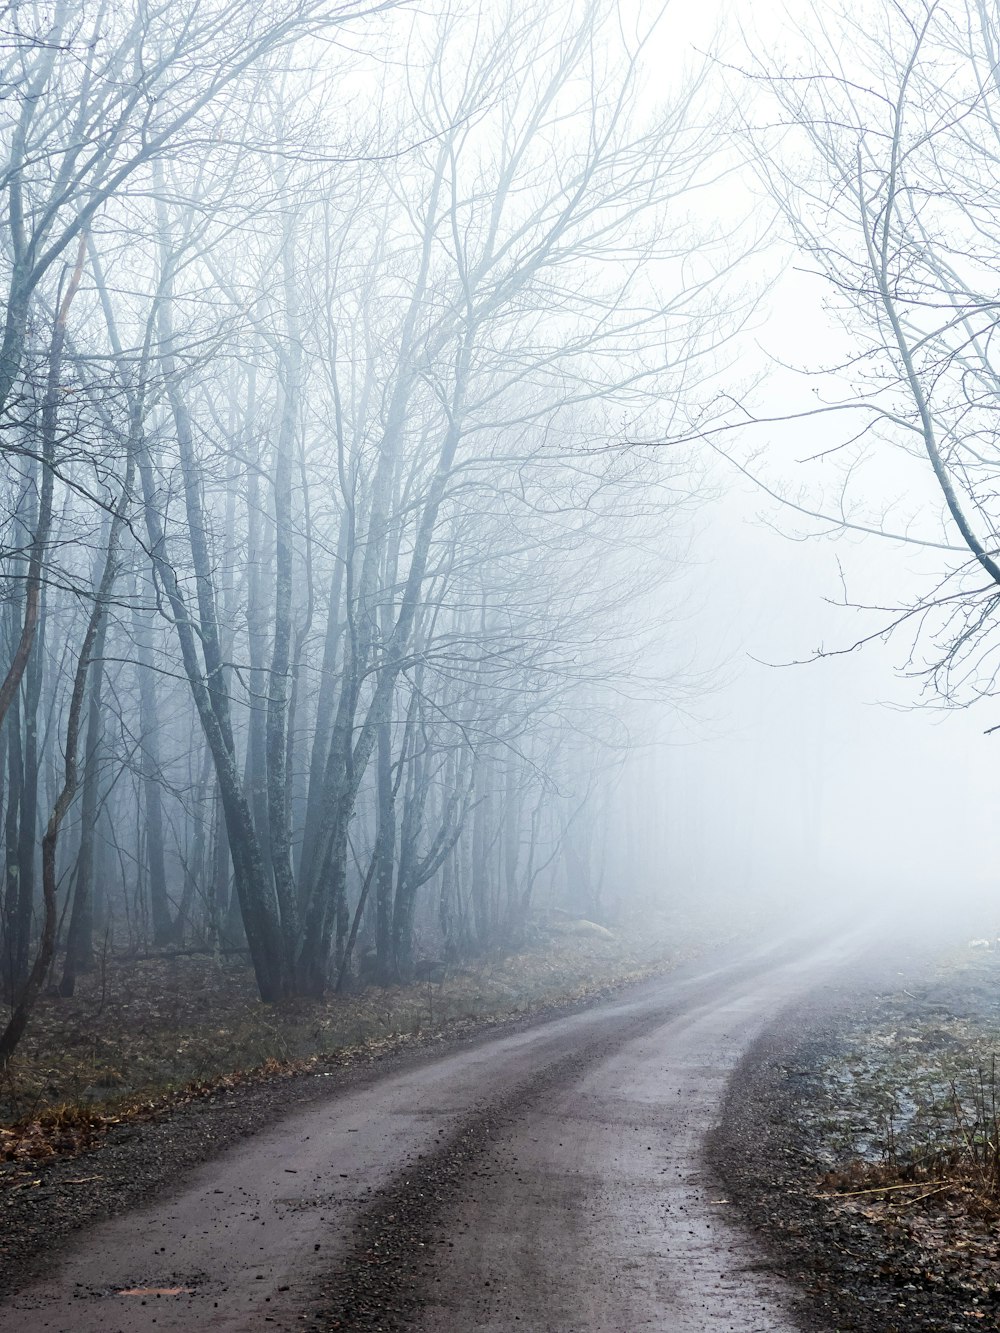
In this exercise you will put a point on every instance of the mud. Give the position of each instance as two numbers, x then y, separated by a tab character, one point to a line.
548	1178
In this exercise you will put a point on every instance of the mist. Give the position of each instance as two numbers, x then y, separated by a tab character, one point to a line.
499	578
418	518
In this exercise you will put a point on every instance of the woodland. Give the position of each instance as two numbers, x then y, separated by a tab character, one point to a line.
358	361
333	336
374	375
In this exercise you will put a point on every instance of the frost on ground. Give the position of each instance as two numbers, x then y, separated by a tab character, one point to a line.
870	1137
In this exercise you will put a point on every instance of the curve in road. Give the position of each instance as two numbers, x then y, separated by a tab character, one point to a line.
583	1203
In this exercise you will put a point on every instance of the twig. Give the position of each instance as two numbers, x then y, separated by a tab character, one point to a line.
910	1202
881	1189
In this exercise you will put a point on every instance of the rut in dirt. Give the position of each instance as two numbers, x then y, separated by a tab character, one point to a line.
550	1178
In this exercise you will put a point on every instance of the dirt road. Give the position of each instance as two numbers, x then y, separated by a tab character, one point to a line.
550	1179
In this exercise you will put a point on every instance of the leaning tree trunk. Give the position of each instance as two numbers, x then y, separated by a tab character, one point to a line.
80	940
27	834
258	904
257	907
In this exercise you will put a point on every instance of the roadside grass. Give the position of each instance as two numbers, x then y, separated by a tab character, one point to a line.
914	1086
139	1037
903	1114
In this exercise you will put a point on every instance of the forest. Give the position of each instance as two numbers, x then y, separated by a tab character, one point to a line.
499	557
325	381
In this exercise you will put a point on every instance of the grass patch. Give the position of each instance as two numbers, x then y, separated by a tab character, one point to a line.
902	1115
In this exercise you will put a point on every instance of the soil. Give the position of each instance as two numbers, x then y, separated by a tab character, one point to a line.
839	1142
548	1175
384	1282
44	1201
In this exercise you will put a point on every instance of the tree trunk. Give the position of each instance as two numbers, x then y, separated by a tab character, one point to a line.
149	769
480	867
257	906
10	357
385	852
14	1030
277	697
80	940
14	968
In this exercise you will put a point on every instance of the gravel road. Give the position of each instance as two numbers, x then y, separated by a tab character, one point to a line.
549	1179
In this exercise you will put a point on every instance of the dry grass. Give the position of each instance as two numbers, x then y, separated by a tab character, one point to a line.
951	1156
905	1112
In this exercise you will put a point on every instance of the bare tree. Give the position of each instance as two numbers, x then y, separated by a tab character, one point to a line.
345	406
883	165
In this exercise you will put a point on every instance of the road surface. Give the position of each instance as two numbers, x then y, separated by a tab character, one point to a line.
584	1205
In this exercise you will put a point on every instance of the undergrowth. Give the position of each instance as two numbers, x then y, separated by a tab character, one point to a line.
959	1151
907	1108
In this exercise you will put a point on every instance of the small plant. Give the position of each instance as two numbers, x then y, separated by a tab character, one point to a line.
977	1130
958	1146
889	1152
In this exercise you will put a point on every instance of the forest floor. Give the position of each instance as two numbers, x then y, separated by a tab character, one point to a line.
862	1134
141	1037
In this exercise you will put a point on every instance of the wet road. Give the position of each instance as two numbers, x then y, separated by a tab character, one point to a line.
594	1213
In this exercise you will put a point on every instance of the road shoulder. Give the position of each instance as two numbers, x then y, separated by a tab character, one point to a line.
822	1146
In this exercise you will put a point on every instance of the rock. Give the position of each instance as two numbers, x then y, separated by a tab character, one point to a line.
582	927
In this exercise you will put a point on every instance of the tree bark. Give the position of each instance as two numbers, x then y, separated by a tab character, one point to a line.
150	776
80	939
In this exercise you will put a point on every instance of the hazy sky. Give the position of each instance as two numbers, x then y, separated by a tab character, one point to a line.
823	778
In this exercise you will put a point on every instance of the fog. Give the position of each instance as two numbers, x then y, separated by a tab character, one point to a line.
814	782
424	510
813	768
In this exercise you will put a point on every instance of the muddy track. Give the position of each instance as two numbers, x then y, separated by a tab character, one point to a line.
549	1178
144	1158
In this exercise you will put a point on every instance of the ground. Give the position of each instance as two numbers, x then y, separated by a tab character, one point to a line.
145	1034
860	1134
158	1064
541	1175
